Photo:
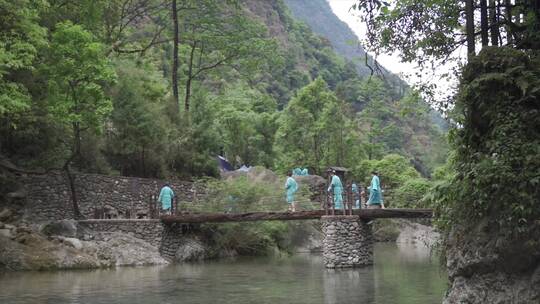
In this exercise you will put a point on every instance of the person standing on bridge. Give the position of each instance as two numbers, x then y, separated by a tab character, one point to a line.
337	188
291	187
375	200
166	196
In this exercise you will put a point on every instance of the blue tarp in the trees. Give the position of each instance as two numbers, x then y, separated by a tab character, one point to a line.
224	165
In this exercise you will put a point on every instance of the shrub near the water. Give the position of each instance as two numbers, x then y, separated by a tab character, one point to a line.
410	194
238	195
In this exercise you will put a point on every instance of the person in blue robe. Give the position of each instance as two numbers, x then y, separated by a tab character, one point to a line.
337	188
375	200
290	188
166	196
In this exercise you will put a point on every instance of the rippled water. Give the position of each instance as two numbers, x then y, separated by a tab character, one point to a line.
401	274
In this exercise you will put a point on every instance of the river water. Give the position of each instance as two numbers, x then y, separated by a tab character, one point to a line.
401	274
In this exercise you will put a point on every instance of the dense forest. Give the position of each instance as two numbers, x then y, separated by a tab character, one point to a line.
158	88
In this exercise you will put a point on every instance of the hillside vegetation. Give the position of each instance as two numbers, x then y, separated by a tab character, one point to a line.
94	86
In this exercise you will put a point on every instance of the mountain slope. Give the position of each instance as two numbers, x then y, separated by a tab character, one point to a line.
321	19
415	134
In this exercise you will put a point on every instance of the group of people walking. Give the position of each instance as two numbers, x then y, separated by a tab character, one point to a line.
375	201
335	187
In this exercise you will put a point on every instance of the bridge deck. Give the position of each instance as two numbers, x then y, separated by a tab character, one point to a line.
283	216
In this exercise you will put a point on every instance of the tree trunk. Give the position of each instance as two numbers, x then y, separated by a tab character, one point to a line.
508	13
77	144
189	77
75	154
176	98
469	27
74	202
493	20
143	165
341	148
484	31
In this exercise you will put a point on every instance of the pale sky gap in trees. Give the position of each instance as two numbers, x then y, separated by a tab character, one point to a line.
407	71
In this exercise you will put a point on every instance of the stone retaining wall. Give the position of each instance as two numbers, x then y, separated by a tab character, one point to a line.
348	242
49	195
167	238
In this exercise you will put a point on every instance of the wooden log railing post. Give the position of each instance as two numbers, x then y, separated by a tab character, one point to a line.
349	199
326	202
332	202
153	208
346	200
322	200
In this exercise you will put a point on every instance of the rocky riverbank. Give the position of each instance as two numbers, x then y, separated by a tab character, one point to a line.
25	248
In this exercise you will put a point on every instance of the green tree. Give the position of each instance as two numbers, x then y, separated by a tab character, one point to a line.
411	193
21	37
314	130
139	134
247	123
425	30
394	170
218	35
77	72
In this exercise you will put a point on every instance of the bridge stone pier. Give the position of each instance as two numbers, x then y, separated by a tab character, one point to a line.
348	241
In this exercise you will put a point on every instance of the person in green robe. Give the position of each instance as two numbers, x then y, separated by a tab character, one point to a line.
337	188
290	188
166	196
375	200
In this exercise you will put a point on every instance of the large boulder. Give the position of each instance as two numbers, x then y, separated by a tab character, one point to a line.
313	182
256	174
66	228
418	234
5	214
32	251
118	249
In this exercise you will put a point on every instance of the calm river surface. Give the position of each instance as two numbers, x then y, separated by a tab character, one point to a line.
401	274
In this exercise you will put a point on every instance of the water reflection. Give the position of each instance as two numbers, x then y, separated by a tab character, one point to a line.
400	275
349	285
419	253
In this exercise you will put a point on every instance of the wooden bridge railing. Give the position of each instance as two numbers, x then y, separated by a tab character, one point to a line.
326	201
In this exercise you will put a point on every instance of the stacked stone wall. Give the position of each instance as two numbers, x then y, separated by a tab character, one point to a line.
171	240
48	198
348	242
49	195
